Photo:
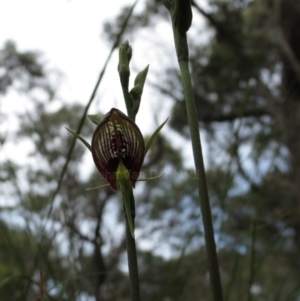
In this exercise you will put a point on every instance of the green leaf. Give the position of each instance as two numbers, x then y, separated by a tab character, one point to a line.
141	78
81	139
96	118
137	91
153	136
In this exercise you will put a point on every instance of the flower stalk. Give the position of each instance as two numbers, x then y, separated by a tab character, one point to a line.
118	151
180	11
126	52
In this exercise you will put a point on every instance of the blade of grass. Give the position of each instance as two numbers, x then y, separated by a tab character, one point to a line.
80	125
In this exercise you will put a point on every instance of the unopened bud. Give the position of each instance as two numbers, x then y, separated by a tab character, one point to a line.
137	91
123	66
182	15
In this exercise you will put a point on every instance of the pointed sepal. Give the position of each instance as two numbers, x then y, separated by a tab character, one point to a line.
137	91
148	145
81	139
96	118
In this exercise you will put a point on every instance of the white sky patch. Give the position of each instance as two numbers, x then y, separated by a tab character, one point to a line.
68	34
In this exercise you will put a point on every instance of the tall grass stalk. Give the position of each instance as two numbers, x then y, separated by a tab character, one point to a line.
79	128
180	11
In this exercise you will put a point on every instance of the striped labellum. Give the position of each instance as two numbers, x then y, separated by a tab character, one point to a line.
118	141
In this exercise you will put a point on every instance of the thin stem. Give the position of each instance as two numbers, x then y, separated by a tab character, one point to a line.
131	254
124	73
128	102
252	260
70	152
212	258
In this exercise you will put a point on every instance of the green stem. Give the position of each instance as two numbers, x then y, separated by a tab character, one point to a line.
131	254
72	147
124	73
212	258
202	183
128	101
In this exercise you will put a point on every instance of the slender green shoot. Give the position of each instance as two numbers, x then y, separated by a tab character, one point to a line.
69	154
180	11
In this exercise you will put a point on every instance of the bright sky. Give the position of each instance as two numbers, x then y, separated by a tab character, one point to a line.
68	33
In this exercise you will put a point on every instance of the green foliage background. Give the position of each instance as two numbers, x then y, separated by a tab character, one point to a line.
247	87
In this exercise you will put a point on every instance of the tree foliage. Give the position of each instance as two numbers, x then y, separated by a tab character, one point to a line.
247	88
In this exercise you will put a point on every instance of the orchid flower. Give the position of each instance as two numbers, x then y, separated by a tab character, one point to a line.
118	150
